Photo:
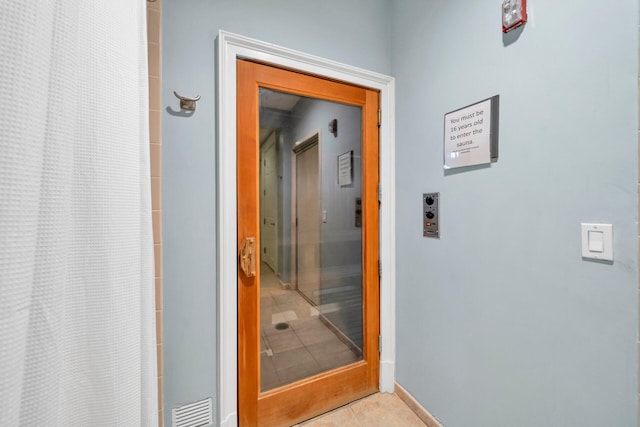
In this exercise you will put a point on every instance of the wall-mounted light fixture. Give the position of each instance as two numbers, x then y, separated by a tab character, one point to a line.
514	14
333	127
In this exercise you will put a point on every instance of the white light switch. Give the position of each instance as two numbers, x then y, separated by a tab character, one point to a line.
597	241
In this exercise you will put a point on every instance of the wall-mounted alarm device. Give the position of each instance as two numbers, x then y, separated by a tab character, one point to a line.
514	14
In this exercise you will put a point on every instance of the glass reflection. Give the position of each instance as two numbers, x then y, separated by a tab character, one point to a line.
310	237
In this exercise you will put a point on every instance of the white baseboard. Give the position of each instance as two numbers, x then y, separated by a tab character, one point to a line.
387	376
230	421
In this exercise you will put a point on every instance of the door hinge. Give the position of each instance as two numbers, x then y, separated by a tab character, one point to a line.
379	268
379	343
379	117
379	193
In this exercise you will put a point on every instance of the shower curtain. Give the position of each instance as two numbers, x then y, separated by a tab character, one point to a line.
77	315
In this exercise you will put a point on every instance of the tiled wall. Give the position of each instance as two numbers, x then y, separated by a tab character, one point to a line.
154	13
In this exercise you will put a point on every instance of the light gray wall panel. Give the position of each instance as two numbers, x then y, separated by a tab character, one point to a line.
500	322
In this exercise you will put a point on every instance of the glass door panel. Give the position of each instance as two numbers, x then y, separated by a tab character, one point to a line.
311	240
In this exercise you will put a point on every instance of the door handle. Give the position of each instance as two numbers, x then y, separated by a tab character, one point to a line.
248	257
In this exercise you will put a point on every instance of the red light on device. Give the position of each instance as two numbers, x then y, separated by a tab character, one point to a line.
514	14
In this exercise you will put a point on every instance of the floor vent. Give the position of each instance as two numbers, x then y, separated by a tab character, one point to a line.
194	414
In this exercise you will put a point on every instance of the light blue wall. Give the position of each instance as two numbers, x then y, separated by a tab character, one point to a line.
354	32
500	322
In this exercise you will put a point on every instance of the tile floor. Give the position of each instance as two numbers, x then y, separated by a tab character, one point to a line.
308	347
305	348
377	410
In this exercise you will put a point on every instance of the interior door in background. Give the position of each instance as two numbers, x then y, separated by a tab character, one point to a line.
307	216
268	199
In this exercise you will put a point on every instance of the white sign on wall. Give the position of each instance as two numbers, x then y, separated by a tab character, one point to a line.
471	134
345	168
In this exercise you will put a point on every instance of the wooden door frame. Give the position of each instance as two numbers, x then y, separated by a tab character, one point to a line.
230	47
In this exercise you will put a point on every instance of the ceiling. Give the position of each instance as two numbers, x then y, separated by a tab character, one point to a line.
278	100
